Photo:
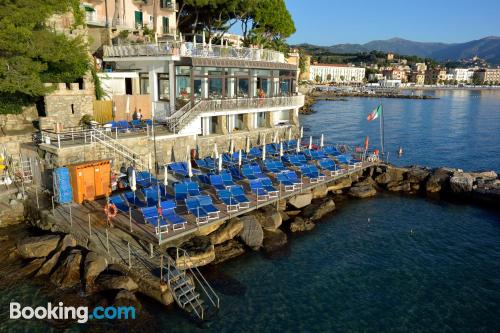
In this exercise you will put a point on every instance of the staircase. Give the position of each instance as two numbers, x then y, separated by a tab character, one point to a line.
107	141
182	117
183	287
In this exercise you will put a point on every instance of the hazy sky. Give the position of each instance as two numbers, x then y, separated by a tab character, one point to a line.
328	22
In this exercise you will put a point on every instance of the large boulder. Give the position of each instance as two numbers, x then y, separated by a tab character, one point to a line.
362	191
273	240
339	184
438	180
49	265
486	175
31	267
67	274
391	174
268	217
228	250
399	186
461	183
200	252
68	241
317	211
417	175
94	265
301	200
37	247
299	224
319	192
127	298
227	231
251	234
115	282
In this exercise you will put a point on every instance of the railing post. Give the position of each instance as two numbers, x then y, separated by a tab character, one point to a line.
58	141
90	227
161	267
53	207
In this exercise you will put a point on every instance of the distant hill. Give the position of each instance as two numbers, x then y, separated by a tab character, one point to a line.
487	48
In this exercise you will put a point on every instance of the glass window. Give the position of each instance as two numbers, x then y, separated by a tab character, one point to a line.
285	87
182	87
240	124
263	87
163	87
144	83
242	87
212	125
260	119
215	88
182	70
198	93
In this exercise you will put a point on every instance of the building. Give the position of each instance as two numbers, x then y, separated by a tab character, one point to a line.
435	76
395	74
487	76
390	56
337	73
105	19
418	77
462	75
389	83
375	77
419	67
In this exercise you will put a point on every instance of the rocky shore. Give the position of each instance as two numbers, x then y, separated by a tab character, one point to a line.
63	261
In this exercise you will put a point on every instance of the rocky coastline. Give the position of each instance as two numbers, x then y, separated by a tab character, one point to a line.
64	262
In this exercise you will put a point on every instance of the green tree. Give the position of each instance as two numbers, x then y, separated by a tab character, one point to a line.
31	53
317	78
329	77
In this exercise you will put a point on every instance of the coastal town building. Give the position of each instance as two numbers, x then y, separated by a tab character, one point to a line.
487	76
462	75
418	77
337	73
435	75
395	74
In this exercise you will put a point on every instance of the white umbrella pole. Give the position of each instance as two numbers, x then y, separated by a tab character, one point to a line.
321	142
310	142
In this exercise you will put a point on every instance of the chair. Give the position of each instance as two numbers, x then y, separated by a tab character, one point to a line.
257	171
267	184
151	195
314	171
247	172
236	173
292	176
193	207
257	188
283	180
118	201
239	194
227	179
207	204
133	200
329	166
232	205
180	191
151	216
330	150
169	214
217	182
193	189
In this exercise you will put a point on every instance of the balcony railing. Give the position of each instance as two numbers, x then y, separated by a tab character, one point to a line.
248	103
189	49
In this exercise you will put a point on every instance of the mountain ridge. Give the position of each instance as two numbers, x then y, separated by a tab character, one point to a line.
487	48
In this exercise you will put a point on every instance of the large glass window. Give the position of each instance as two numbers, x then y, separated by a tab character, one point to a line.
285	87
242	87
163	87
144	83
198	92
182	84
215	88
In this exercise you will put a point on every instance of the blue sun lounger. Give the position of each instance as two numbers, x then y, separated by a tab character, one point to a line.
247	172
232	205
329	166
193	206
255	152
257	188
169	214
133	199
207	204
151	195
283	180
257	171
180	191
227	178
312	172
217	182
267	184
118	201
330	150
151	216
239	194
193	188
292	176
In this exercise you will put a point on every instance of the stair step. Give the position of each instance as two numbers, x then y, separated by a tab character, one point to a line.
188	298
178	283
185	289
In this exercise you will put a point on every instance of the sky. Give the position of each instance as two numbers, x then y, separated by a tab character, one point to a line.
328	22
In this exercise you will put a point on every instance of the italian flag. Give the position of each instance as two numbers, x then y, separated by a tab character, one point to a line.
375	113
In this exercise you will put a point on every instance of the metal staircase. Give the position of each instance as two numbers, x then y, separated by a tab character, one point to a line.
182	117
183	287
107	141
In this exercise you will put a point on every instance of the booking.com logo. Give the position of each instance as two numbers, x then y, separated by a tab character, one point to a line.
80	314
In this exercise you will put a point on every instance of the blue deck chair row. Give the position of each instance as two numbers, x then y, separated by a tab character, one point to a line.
184	190
202	208
294	159
239	194
152	217
252	171
263	189
181	168
329	166
331	150
312	172
203	164
168	212
232	205
274	166
347	160
314	154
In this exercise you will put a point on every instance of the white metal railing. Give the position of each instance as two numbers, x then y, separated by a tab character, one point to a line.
106	140
189	49
249	103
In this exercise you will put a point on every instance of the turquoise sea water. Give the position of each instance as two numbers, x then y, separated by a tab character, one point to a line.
385	264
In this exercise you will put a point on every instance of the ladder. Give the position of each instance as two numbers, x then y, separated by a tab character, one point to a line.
107	141
183	288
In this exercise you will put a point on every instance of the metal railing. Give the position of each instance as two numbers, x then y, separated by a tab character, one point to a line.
248	103
106	140
189	49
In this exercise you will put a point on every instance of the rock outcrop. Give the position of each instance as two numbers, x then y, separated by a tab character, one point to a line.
362	190
268	217
461	183
228	250
299	224
318	210
301	200
274	240
227	231
199	250
67	274
37	247
438	180
94	265
251	234
115	282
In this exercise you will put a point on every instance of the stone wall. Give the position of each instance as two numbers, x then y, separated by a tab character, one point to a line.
67	106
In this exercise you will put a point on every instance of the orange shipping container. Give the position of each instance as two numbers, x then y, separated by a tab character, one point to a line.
90	180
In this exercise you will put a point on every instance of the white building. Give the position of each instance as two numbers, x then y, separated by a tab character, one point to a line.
337	73
462	75
389	83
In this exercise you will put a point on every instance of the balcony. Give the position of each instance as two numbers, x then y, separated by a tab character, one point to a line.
189	49
242	104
